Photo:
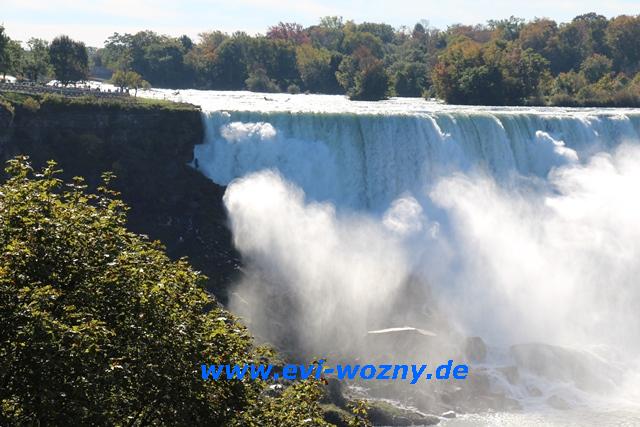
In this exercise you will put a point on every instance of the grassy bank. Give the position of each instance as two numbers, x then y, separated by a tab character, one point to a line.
34	101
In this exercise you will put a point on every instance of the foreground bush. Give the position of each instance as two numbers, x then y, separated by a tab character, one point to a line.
100	327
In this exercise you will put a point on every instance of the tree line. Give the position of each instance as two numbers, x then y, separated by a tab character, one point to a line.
591	60
63	58
66	60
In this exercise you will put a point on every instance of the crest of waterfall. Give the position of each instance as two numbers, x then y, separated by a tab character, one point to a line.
365	161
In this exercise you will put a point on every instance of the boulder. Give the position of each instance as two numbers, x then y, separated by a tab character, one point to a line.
557	402
475	349
386	414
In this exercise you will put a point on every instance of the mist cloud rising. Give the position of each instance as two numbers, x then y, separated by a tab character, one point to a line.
331	277
556	265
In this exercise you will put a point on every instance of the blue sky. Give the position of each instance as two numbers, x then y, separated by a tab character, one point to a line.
93	20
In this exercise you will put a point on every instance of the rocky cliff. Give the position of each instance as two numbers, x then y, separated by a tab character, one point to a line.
148	148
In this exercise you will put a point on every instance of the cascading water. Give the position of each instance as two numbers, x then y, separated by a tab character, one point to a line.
516	225
364	161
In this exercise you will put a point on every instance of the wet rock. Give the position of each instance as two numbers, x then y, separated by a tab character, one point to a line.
408	341
534	391
449	414
6	115
386	414
475	349
557	402
333	393
478	382
511	374
405	330
334	415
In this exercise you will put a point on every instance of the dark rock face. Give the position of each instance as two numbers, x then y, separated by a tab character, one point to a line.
148	149
333	393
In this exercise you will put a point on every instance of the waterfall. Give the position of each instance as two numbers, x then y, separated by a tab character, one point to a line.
365	161
516	225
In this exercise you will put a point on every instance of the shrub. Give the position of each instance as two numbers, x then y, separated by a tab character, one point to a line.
410	80
372	83
596	67
6	105
259	81
293	89
562	100
99	327
31	105
568	83
363	76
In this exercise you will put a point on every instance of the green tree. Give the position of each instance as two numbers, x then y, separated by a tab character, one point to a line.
159	59
296	406
316	69
537	34
329	34
355	40
596	67
4	52
117	52
137	82
100	327
163	63
622	36
36	60
275	56
186	42
230	67
332	22
371	82
259	81
120	80
363	76
384	32
14	58
126	80
457	73
409	79
566	49
496	74
11	55
593	30
569	83
69	60
288	31
202	57
521	71
507	29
